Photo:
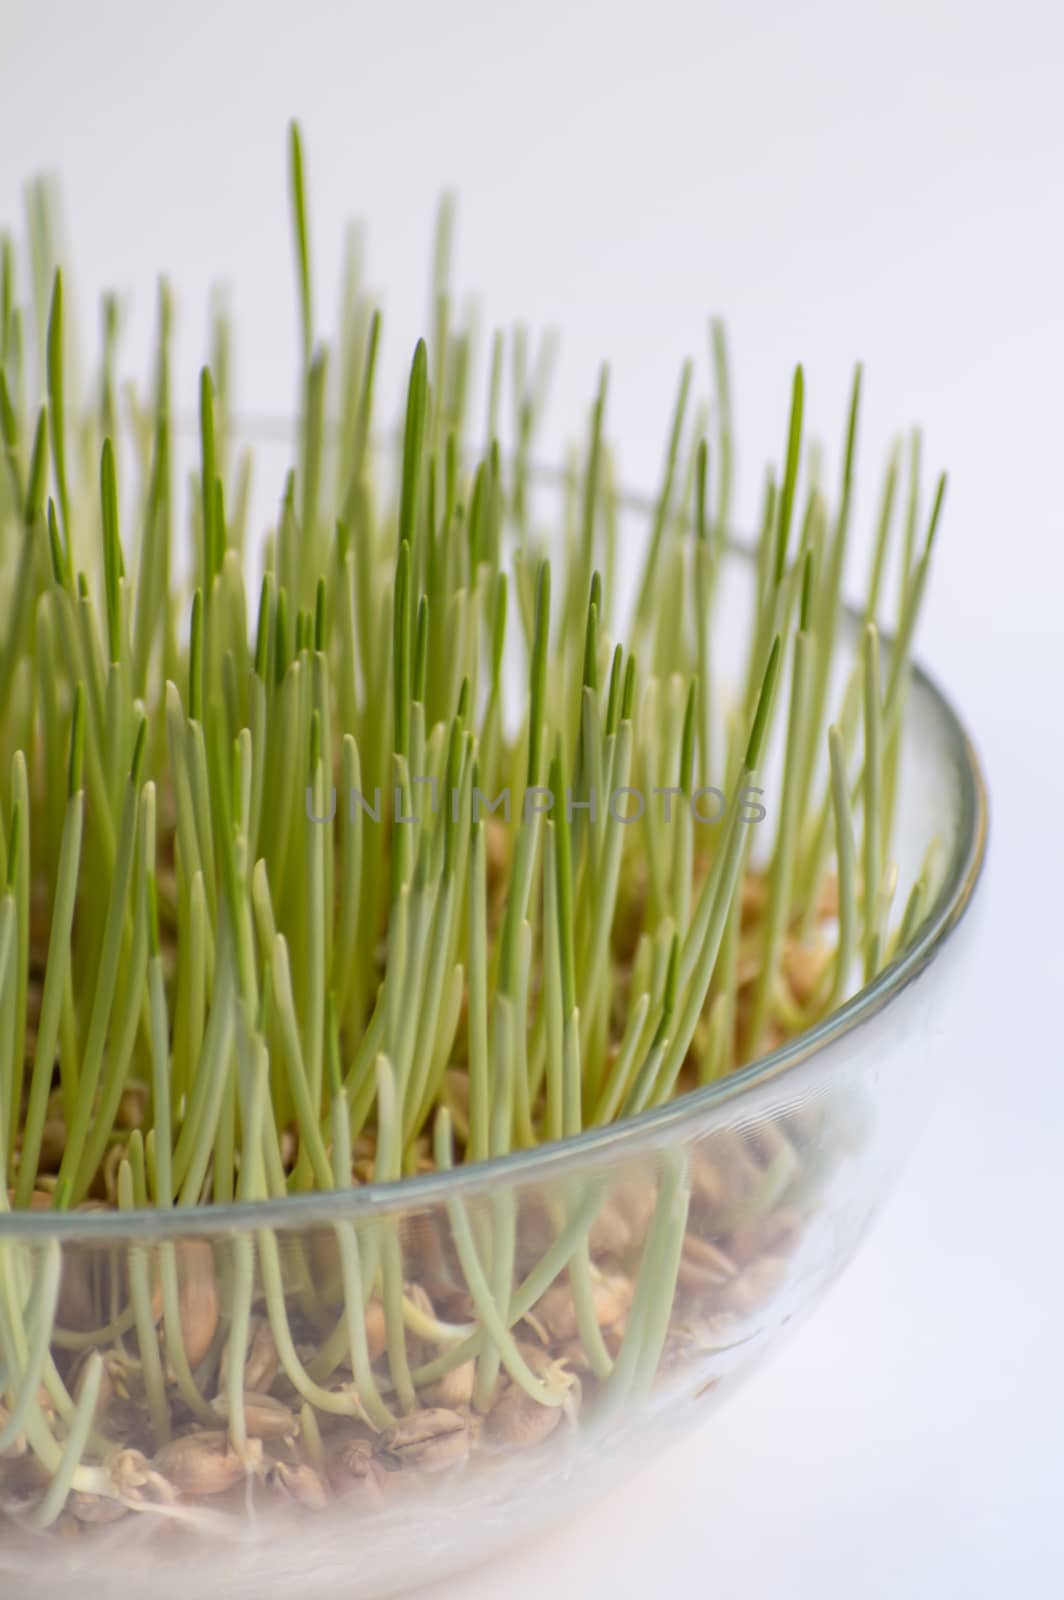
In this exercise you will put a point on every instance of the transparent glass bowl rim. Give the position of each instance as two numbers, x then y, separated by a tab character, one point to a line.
597	1146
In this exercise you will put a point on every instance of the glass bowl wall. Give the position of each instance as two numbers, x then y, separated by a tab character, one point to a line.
648	1266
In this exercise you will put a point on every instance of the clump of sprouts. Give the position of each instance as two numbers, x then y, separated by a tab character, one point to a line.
422	858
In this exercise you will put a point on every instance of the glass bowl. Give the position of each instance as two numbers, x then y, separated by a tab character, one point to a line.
653	1264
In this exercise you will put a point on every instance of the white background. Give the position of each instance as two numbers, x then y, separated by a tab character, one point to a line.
839	180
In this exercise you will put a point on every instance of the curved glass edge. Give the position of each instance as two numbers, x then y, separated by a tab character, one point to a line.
634	1136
